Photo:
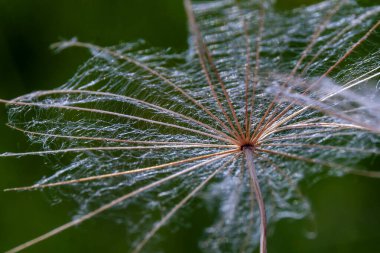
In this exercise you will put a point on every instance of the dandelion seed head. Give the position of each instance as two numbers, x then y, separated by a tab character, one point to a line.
131	107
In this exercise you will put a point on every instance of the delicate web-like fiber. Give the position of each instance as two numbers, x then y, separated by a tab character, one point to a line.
292	86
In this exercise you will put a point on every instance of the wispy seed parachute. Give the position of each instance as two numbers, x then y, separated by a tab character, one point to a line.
139	132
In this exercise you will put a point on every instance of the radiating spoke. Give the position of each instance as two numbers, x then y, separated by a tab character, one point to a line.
257	63
116	174
110	113
344	87
104	139
311	125
149	70
353	83
308	135
357	21
336	112
347	54
215	95
202	48
179	205
328	147
76	150
130	100
247	80
110	205
317	32
372	174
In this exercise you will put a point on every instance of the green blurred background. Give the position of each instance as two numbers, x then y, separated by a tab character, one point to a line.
347	209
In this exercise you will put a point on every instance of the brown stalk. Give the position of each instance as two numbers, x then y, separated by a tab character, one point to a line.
256	187
251	221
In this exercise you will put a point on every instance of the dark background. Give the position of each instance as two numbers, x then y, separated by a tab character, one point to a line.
346	209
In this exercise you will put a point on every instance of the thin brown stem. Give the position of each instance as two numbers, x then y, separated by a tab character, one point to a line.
263	220
251	221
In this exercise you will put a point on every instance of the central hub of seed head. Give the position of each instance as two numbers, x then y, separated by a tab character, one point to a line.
247	145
